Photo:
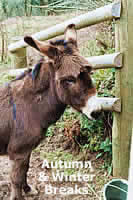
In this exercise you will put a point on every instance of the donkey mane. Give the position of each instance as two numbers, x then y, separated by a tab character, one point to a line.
30	72
67	48
58	42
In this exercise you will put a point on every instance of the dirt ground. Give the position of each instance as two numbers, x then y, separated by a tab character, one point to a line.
52	145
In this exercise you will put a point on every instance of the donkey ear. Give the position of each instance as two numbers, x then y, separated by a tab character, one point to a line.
71	34
43	47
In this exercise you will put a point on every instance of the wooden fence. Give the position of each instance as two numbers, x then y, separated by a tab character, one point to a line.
122	127
105	13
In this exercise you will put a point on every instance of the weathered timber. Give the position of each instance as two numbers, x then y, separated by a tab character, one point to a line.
122	127
19	58
109	104
98	62
16	72
94	17
106	61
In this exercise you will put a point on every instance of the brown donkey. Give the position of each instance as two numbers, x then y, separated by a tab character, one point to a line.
35	100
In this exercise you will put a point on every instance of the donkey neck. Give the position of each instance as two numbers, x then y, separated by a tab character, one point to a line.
51	108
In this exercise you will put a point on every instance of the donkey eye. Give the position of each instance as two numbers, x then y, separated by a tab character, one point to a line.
68	81
71	80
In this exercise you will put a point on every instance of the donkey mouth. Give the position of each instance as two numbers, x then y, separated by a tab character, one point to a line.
92	106
95	115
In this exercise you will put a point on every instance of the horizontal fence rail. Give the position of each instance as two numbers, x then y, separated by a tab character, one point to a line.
106	61
109	104
97	62
105	13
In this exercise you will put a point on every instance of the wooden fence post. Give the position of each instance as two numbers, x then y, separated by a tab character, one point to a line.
122	127
19	57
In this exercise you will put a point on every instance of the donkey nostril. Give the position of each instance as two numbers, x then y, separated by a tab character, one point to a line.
92	72
96	115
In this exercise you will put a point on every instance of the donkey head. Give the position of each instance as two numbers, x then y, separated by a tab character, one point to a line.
72	72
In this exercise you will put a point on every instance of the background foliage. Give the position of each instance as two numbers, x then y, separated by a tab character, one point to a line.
9	8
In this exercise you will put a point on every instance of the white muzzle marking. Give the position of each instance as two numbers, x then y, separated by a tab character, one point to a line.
92	105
